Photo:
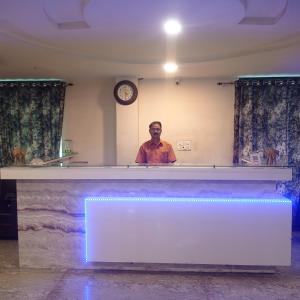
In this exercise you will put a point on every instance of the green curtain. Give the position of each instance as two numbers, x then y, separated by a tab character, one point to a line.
267	115
31	116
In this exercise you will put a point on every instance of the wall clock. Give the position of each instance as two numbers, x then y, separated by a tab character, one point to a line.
125	92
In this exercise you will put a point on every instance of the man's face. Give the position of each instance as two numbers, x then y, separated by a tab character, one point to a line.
155	131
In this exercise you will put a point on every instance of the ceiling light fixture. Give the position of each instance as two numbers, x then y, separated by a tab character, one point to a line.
172	27
170	67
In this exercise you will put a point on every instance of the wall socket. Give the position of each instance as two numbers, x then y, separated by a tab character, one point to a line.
184	145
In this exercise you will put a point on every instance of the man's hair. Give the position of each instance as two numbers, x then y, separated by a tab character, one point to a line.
154	122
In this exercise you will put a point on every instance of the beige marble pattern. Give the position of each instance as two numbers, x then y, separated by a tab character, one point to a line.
51	212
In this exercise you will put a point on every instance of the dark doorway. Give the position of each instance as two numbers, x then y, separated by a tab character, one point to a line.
8	210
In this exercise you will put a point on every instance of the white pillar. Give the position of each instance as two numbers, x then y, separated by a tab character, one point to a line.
127	127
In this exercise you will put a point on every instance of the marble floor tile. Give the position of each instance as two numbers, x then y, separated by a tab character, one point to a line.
18	284
9	254
48	284
115	285
258	287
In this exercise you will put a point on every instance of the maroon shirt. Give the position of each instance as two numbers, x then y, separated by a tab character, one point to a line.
151	153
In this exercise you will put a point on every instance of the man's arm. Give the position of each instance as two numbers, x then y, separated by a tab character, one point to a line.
141	156
171	155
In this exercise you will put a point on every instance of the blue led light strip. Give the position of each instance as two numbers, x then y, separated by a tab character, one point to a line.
85	229
174	199
115	200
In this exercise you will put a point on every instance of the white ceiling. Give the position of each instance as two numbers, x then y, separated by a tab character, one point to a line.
84	39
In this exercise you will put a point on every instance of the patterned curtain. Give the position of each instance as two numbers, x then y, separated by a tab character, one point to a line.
31	116
267	115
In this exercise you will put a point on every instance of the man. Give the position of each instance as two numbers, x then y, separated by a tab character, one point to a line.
155	151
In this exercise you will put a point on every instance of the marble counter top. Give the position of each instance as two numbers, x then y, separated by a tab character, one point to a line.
149	173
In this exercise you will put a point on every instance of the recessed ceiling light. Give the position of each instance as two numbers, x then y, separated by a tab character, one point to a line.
170	67
172	27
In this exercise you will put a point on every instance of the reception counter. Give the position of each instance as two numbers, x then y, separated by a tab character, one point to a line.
128	216
150	173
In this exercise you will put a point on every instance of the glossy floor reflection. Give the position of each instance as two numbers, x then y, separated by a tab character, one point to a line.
76	284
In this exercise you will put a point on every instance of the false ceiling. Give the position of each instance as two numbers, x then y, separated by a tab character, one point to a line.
84	39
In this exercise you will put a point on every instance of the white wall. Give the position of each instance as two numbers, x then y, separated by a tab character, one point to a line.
89	121
197	110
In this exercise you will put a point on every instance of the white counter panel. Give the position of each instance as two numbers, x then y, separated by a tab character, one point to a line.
253	232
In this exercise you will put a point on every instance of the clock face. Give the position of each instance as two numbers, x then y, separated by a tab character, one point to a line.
125	92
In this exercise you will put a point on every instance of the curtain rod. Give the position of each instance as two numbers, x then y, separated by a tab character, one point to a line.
14	83
268	81
225	83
